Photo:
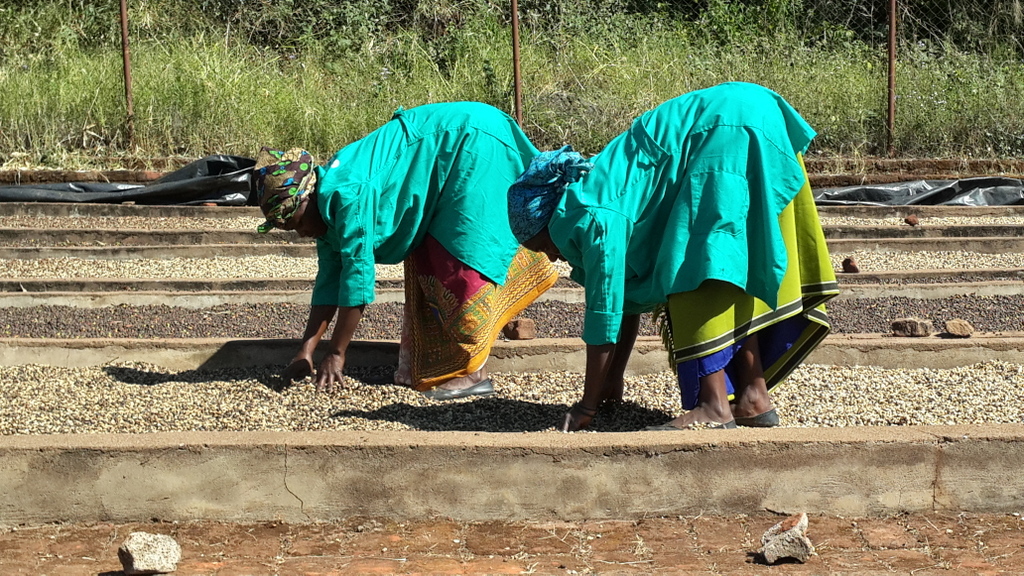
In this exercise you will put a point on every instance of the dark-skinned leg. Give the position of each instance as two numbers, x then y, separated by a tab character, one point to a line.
751	396
712	403
615	381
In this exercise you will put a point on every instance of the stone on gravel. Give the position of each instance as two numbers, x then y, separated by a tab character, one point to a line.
915	327
145	553
911	220
959	328
787	540
850	266
521	329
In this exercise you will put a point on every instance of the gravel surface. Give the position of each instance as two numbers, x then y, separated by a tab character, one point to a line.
383	321
133	222
250	222
870	261
922	221
217	267
306	267
140	398
947	277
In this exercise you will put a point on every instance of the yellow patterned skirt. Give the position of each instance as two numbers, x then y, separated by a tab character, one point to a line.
453	314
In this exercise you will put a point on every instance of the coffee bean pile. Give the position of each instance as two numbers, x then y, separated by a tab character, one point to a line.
141	398
383	321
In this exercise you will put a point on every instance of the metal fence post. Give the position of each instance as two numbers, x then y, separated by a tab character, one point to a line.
517	76
890	121
130	123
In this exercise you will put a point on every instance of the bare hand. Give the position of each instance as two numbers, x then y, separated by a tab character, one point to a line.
578	418
300	367
329	377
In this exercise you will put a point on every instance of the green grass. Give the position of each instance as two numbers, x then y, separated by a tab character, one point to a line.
203	89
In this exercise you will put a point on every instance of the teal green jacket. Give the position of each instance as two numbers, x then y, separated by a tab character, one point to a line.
438	169
691	192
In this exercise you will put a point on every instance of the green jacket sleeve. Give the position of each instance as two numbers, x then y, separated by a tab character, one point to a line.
347	271
598	242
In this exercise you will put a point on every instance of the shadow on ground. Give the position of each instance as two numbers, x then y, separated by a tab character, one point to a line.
495	414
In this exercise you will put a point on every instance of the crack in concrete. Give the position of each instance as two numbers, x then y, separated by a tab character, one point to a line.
302	503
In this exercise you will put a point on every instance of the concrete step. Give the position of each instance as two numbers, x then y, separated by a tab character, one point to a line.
306	250
983	245
209	298
88	237
920	211
62	209
81	237
507	356
476	476
202	294
962	231
82	209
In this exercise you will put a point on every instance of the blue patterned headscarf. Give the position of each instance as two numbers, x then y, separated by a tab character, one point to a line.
535	194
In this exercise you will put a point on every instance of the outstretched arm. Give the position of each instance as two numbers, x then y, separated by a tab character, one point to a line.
329	375
302	364
606	366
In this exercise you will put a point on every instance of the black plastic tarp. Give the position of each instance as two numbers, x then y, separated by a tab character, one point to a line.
218	179
984	191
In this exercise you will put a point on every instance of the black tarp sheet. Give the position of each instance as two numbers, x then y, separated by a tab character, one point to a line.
219	179
226	180
983	191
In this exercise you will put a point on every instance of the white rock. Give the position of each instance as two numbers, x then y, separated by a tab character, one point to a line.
144	553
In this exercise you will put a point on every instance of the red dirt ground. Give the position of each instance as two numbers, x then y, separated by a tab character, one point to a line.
917	544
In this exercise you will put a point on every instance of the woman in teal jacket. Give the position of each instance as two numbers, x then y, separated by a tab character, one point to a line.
428	188
701	210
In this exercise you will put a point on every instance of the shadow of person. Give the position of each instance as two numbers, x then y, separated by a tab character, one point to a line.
267	376
495	414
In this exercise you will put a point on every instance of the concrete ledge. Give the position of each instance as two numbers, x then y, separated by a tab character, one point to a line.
992	245
85	237
85	209
302	477
305	250
931	352
926	231
208	298
507	356
920	210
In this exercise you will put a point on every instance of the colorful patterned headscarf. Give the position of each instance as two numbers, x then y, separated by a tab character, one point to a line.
535	194
282	179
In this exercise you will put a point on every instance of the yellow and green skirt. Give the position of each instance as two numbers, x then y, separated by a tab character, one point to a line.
707	326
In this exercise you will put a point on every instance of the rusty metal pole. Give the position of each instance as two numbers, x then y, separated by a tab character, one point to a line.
127	74
890	122
517	76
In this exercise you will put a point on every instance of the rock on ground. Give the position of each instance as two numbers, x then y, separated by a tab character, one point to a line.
911	327
145	553
787	540
959	328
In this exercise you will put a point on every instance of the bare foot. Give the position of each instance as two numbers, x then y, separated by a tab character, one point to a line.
702	414
751	404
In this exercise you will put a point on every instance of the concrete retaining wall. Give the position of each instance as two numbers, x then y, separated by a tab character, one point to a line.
480	476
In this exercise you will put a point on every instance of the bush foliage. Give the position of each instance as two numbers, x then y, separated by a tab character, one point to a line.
226	76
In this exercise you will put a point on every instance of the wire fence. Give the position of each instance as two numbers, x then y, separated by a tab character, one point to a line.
939	56
897	77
